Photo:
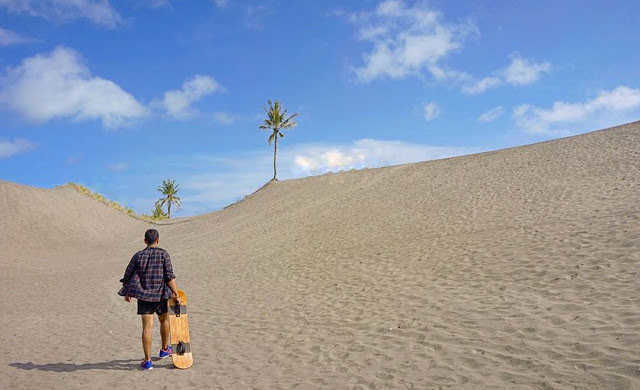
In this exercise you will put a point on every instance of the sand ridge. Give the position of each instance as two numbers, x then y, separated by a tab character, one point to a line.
510	269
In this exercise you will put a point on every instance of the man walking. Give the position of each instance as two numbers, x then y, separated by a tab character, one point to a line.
149	278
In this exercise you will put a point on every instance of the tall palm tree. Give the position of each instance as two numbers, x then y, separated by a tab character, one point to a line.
276	121
169	189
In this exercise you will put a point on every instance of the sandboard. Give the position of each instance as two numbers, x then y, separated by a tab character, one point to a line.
179	326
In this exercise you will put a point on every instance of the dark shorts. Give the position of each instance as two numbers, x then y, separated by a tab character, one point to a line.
145	307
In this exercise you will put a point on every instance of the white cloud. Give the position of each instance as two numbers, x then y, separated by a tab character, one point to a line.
407	40
177	103
59	85
372	32
118	167
522	71
17	146
221	3
431	111
619	99
97	11
612	107
8	37
363	153
329	159
223	118
482	85
159	3
256	15
491	115
413	40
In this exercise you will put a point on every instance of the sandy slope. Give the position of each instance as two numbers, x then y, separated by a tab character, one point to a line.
42	222
510	269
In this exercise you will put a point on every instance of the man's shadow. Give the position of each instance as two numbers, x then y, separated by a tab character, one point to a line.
123	365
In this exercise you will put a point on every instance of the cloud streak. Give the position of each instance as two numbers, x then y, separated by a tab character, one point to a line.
224	118
491	115
519	72
12	148
8	37
431	111
177	103
610	107
118	167
97	11
362	153
482	85
220	3
522	71
256	15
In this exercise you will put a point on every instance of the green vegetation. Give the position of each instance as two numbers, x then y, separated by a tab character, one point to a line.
115	205
101	198
276	121
158	213
169	189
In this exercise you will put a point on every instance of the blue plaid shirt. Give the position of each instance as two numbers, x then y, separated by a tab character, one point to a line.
147	275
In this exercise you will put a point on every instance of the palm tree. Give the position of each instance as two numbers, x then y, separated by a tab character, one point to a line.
169	189
276	121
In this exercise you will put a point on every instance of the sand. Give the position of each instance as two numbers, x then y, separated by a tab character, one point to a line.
514	269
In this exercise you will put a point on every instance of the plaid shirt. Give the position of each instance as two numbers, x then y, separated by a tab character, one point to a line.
147	275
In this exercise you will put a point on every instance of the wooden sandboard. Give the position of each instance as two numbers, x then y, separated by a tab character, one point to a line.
179	325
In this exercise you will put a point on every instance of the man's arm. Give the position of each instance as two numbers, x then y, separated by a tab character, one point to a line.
131	268
169	277
174	288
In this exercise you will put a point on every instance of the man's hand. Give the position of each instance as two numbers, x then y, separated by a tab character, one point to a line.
127	299
174	289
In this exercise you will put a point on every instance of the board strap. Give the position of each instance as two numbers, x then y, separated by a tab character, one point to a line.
181	348
177	309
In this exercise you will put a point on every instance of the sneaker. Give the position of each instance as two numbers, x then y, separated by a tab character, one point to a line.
146	365
165	352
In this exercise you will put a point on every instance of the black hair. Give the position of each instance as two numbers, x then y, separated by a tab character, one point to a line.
151	236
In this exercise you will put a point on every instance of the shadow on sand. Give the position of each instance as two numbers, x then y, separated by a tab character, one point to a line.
124	365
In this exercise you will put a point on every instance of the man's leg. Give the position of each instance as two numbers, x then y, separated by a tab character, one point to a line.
147	327
164	329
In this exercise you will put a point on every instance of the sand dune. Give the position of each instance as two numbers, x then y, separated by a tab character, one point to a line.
39	221
509	269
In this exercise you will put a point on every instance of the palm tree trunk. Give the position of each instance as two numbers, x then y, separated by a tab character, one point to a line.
275	151
169	209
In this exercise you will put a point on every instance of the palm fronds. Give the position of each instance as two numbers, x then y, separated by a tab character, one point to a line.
169	189
276	120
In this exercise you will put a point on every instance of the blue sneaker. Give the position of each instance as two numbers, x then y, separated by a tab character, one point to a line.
165	352
146	365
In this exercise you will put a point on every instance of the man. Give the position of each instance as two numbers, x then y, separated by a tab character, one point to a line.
149	278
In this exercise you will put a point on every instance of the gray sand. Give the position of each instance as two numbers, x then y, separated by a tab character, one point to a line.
514	269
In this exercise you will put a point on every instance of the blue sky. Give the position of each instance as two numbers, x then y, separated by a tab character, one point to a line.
120	95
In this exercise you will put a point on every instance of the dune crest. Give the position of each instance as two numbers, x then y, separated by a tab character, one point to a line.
61	219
